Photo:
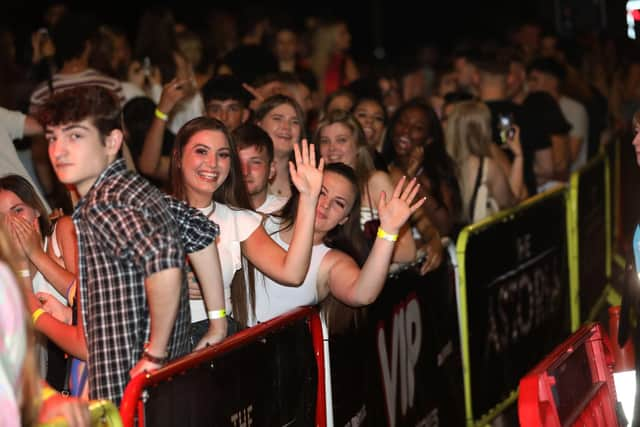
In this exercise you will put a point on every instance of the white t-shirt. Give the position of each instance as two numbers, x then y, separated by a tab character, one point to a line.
273	299
272	203
577	116
12	127
236	225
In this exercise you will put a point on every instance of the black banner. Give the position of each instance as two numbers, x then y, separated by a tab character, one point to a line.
268	382
591	236
402	366
517	297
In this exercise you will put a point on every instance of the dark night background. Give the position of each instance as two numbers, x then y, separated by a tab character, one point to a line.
397	25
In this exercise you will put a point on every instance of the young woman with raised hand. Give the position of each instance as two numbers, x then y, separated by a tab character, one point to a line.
469	142
206	172
335	271
414	146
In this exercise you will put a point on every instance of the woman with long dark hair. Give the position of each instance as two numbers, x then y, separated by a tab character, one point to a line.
339	263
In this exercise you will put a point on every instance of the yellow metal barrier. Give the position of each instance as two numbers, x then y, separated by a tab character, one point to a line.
461	249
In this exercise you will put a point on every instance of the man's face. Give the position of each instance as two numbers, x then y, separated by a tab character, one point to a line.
516	79
256	169
230	112
78	154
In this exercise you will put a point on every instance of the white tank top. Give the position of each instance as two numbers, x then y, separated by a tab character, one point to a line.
273	299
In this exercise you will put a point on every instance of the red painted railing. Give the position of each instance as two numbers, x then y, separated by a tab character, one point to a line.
132	403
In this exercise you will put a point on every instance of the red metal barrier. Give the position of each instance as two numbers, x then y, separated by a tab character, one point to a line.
572	386
132	400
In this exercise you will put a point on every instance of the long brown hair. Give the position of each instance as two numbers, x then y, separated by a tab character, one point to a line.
275	101
231	193
25	191
347	238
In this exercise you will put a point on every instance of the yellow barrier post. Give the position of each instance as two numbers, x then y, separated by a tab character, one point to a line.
461	246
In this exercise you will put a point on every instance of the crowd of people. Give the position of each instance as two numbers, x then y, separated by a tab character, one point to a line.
174	189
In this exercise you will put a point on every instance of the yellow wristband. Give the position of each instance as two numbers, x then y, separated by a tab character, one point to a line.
36	315
162	116
386	236
46	392
24	272
216	314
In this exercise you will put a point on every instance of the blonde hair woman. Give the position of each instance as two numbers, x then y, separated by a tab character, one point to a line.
469	142
330	62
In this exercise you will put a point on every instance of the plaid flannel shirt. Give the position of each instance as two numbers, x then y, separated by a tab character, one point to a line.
128	230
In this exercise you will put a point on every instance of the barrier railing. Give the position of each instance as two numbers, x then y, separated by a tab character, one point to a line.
103	413
589	222
513	268
271	374
402	366
528	277
572	386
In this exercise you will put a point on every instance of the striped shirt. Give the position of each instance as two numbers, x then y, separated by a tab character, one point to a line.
61	82
128	230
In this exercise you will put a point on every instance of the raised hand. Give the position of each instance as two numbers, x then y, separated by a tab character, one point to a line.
415	160
305	175
26	235
172	93
514	142
395	212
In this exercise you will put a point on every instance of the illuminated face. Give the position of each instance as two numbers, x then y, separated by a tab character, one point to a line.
284	127
11	204
411	130
336	200
338	144
205	165
230	112
78	154
256	169
516	79
371	117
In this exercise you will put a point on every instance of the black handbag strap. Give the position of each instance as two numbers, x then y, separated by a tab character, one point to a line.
475	189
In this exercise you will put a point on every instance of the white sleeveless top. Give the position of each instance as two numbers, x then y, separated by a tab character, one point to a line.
40	284
273	299
236	225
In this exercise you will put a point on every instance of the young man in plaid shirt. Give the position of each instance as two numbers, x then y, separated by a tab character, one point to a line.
132	242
